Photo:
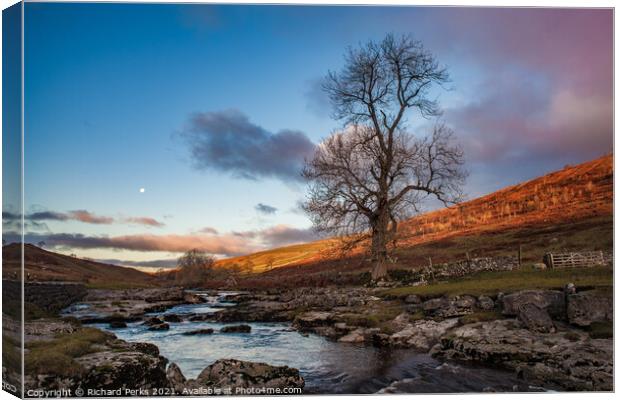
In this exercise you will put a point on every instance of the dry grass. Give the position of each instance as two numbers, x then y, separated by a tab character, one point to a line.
57	356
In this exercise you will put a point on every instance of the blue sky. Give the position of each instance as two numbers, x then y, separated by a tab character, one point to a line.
110	90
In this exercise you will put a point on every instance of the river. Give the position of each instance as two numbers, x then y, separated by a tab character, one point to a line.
327	366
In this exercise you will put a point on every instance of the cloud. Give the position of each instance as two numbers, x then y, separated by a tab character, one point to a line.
265	209
280	235
226	244
81	216
227	141
209	230
89	218
48	216
147	221
528	100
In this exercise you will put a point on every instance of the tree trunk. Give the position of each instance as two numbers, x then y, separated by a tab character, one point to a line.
378	248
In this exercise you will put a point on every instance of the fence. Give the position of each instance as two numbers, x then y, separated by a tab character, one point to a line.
577	259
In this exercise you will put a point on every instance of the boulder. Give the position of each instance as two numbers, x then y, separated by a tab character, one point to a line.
206	331
153	321
535	318
233	374
400	322
146	348
114	369
592	306
552	301
422	334
312	319
118	324
175	377
192	298
172	318
236	329
444	307
160	327
356	336
485	303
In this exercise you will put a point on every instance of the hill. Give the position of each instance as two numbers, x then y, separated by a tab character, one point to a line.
43	265
567	209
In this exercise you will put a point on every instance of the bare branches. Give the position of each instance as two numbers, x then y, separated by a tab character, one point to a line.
381	81
368	177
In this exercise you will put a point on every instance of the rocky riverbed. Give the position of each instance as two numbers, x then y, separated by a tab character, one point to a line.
341	340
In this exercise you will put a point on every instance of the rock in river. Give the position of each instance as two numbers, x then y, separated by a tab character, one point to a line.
312	319
422	334
172	318
236	329
159	327
206	331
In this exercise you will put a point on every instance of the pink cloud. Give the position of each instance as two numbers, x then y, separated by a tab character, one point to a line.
89	218
148	221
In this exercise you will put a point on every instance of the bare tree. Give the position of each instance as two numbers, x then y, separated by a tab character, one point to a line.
194	268
373	173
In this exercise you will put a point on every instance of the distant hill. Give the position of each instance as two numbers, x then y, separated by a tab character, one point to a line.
43	265
556	201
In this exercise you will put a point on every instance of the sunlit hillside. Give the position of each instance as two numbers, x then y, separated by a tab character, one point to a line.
575	193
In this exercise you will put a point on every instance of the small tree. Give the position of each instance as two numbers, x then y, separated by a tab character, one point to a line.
194	268
373	173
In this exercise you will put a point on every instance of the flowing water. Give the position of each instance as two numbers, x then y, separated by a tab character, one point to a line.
327	366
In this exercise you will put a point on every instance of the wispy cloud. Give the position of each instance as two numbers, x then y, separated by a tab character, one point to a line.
227	141
84	216
147	221
265	209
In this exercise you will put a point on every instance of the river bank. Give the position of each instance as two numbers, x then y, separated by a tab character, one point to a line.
338	340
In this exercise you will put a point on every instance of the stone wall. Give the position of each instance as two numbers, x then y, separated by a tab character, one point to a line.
471	266
49	296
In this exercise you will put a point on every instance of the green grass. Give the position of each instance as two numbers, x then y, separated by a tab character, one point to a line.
509	281
57	356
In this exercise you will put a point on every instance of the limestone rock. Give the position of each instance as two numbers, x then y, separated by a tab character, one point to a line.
356	336
485	303
551	301
205	331
422	334
570	361
236	329
175	377
313	318
235	373
592	306
535	318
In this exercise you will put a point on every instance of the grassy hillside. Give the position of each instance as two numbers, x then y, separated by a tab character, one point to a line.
43	265
542	212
